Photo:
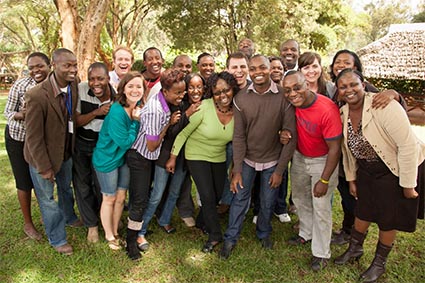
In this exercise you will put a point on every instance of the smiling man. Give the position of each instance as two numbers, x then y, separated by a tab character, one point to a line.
289	52
153	61
94	101
260	113
50	124
314	173
123	60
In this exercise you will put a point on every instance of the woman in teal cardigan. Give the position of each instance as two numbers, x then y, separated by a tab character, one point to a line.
119	130
206	137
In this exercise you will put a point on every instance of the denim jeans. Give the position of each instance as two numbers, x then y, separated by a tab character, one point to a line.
174	188
87	188
241	200
227	195
117	179
55	214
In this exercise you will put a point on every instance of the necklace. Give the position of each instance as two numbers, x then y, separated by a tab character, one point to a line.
223	111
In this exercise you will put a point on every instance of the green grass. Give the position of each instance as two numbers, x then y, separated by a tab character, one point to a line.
177	257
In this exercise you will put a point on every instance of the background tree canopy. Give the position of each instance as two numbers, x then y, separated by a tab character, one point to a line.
92	29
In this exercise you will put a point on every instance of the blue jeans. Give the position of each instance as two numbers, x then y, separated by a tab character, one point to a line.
226	197
55	214
241	200
160	183
174	188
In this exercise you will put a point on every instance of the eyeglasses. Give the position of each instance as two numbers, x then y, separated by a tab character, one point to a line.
198	88
223	91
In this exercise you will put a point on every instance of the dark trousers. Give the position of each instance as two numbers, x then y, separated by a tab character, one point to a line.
87	189
348	203
209	179
140	183
185	204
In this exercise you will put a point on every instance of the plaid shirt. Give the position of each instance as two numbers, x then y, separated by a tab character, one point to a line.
15	103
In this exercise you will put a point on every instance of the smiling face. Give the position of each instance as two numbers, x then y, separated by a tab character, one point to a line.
38	68
175	94
206	66
238	67
259	71
98	81
222	94
134	90
289	52
312	72
122	62
295	90
246	46
153	63
195	90
65	68
343	61
183	63
350	89
276	71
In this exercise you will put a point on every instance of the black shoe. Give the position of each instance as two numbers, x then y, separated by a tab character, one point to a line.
267	243
226	250
340	238
209	246
319	263
298	240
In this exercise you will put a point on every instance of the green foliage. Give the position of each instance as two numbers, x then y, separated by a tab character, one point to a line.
419	18
414	87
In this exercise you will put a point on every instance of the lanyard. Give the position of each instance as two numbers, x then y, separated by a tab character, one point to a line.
68	102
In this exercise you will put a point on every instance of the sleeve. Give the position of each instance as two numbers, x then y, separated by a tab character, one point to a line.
194	121
35	129
239	137
331	123
288	123
13	101
393	119
122	133
154	126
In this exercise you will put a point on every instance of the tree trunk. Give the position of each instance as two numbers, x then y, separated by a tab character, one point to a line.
90	35
69	23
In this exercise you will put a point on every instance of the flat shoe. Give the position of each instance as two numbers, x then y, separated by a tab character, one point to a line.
143	245
32	233
64	249
114	244
169	229
209	246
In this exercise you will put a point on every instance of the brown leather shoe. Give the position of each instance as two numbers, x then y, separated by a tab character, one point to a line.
76	224
64	249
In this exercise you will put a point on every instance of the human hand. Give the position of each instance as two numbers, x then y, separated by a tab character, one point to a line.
236	181
103	109
320	189
410	193
170	165
48	175
285	136
353	188
382	99
175	117
135	113
275	181
193	108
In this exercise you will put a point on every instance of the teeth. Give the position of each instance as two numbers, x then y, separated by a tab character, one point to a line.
288	57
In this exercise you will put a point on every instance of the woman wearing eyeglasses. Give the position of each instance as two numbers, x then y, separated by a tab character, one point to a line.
206	136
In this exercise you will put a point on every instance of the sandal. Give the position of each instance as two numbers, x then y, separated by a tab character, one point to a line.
32	233
142	244
114	244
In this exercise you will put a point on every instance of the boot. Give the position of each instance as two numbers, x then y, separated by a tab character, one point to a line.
355	249
132	249
377	267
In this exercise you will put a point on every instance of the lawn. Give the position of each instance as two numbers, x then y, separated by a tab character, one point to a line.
177	257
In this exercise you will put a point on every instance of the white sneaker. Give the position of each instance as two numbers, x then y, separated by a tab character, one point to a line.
254	219
189	221
284	217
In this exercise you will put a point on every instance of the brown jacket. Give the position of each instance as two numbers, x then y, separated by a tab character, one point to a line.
46	127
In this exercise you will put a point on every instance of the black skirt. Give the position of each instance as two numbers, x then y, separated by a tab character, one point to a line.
381	199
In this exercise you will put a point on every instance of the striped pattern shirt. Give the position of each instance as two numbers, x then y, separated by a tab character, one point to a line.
88	102
15	103
154	117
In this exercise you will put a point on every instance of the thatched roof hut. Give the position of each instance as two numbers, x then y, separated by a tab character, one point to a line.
398	55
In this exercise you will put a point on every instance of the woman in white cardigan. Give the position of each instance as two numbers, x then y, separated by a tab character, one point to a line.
381	155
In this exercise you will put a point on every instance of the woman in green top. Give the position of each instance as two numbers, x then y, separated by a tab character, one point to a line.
206	136
119	130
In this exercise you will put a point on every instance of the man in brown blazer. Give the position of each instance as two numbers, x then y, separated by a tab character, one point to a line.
48	146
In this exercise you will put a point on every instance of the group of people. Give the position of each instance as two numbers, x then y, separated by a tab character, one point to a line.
232	132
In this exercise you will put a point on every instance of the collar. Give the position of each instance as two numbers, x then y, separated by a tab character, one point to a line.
272	88
163	102
56	89
312	102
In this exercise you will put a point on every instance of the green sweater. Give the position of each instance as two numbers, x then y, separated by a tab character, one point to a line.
115	138
205	136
